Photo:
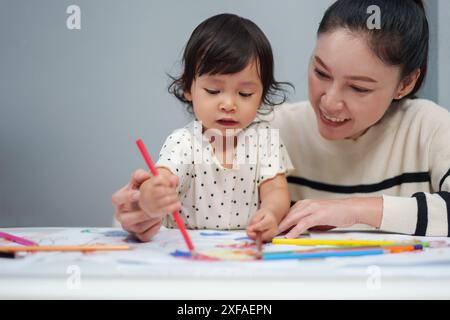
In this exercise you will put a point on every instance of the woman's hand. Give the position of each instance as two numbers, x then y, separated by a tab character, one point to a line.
128	212
306	214
265	222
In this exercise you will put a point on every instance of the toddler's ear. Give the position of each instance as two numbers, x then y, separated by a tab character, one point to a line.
188	96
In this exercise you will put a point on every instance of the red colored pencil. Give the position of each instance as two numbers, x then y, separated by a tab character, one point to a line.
176	214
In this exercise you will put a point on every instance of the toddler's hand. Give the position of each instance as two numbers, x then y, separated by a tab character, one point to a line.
263	221
159	197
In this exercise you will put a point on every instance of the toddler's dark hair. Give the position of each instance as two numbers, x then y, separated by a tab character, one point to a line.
226	44
402	40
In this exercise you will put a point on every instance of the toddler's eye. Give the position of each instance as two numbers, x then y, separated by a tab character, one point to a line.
245	94
212	91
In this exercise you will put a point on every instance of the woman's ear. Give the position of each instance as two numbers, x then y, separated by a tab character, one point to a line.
407	85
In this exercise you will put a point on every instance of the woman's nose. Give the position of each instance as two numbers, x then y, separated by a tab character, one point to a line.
332	99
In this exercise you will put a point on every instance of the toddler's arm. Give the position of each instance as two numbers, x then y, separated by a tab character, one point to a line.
275	204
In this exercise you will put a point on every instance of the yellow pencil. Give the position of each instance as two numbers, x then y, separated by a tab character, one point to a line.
64	248
333	242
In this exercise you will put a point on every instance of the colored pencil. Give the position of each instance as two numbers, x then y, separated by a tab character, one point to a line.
86	248
337	242
348	252
176	214
16	239
315	255
392	249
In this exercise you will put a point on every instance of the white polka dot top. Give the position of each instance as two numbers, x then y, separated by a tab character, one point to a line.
215	197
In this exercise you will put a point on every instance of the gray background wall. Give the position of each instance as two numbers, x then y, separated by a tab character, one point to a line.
72	102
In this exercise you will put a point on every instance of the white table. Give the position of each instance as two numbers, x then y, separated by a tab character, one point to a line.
97	281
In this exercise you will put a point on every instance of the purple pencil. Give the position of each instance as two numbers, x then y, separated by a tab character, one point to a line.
16	239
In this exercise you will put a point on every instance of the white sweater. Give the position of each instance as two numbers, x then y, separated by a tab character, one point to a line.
405	158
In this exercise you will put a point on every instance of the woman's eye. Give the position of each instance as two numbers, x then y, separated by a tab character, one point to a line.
320	74
360	90
212	91
245	94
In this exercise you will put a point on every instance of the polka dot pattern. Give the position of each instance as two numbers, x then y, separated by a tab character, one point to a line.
213	196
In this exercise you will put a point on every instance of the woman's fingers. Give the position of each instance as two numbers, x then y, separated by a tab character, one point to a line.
302	226
294	216
123	196
138	177
148	234
143	227
130	193
129	219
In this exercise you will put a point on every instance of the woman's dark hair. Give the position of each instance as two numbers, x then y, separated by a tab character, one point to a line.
402	39
225	44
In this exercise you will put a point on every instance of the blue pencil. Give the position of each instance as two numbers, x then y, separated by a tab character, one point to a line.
314	255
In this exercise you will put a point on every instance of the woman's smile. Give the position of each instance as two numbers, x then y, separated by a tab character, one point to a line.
333	122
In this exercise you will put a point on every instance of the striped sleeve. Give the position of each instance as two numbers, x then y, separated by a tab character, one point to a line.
425	214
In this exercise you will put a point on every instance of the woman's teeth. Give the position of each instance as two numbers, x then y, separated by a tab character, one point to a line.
338	120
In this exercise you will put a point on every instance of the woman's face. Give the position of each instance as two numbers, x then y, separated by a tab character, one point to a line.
350	88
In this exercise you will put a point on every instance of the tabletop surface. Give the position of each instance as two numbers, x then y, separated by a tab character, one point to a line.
68	277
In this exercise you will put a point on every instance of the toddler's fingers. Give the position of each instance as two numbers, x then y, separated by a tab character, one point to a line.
167	201
161	180
161	192
269	234
171	208
256	218
260	226
173	180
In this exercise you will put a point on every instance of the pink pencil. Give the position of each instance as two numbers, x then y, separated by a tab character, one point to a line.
16	239
176	214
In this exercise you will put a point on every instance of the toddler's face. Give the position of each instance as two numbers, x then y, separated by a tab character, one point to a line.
227	101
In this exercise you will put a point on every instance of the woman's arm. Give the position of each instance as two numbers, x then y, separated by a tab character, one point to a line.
306	214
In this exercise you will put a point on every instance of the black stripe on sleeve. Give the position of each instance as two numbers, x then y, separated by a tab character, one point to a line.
414	177
443	179
446	197
422	214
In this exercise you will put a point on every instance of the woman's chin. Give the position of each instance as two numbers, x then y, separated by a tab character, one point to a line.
326	134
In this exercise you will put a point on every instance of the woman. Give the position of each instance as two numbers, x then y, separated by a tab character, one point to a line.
364	151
